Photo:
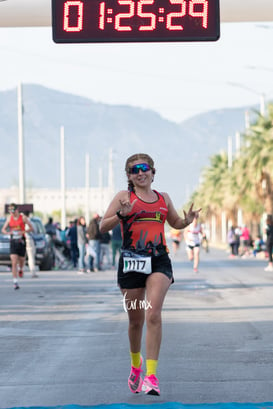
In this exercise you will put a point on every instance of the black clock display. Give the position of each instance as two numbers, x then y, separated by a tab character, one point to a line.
91	21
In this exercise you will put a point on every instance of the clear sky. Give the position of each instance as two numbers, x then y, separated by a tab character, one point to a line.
178	80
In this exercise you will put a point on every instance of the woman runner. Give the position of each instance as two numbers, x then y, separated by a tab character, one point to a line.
145	270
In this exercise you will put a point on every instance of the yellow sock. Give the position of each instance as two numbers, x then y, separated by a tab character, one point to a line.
151	366
135	359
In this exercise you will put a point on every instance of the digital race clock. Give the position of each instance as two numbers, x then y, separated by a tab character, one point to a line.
88	21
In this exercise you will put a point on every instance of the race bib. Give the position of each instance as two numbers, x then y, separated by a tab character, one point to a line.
16	234
137	263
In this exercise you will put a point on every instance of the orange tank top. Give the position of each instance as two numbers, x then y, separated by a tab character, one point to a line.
143	229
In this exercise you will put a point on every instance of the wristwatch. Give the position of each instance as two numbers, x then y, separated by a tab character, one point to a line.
120	215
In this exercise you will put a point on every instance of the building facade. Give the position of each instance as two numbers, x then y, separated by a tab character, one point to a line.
76	201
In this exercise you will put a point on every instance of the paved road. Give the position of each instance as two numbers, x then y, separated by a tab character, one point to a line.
63	337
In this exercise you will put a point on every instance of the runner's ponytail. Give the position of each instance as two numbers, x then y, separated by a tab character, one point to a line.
131	187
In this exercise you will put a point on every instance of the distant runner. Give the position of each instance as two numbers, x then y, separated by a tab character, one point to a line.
15	227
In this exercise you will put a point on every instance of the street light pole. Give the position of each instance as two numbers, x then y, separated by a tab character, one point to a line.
21	153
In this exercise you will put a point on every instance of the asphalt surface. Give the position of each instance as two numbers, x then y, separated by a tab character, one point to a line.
63	336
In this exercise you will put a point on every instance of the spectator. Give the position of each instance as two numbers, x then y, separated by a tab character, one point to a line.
105	240
30	248
231	237
81	240
258	245
245	240
269	241
238	233
72	236
50	228
94	235
61	236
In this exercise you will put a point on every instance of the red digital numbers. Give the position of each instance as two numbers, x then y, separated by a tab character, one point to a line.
150	16
181	13
130	13
73	15
67	8
203	14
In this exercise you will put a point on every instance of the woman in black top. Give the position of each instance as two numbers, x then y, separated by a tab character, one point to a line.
269	241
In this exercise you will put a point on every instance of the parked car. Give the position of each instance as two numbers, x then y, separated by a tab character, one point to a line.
44	248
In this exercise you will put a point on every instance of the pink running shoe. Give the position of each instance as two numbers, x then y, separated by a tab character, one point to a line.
135	381
151	385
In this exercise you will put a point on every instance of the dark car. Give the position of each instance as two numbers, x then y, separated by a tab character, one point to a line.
43	242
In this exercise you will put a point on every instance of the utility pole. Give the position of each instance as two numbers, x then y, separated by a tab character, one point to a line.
21	151
247	121
87	188
63	208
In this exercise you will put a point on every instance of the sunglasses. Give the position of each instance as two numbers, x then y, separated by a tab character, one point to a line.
144	167
12	210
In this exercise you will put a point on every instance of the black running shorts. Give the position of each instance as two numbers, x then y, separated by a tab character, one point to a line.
192	247
18	246
160	264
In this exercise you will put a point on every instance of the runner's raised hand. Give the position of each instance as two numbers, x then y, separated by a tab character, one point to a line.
191	214
126	205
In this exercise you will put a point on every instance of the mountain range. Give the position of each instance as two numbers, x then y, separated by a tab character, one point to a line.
180	150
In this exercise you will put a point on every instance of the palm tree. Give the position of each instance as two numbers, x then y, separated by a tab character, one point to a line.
218	190
257	161
249	183
207	196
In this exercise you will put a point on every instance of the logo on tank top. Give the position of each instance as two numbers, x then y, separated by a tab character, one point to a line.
149	217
